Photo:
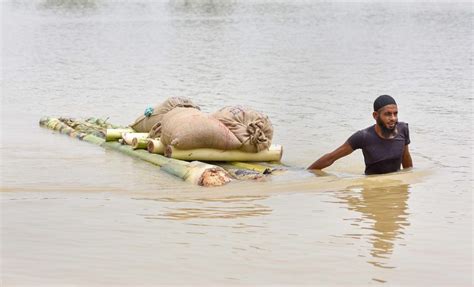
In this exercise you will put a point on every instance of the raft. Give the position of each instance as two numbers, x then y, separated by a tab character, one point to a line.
99	132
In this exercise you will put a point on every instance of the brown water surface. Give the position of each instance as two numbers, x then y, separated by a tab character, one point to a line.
75	214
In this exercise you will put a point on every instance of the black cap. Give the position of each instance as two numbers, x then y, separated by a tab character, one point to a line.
382	101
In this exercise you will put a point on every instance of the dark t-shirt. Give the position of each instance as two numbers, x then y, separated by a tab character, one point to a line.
381	155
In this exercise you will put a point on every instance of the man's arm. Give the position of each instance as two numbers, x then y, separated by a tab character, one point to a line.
329	158
406	160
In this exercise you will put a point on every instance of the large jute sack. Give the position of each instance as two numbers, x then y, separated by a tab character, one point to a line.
145	122
190	128
253	129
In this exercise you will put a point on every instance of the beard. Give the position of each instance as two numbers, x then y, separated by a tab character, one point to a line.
387	132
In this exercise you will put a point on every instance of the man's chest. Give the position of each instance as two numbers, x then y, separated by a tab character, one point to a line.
379	149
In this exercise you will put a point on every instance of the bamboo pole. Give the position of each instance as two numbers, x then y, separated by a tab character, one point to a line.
93	139
116	134
57	125
155	146
194	172
85	127
274	153
251	166
242	174
128	137
139	143
102	123
238	170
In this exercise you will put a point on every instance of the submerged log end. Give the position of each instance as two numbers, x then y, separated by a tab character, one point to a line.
246	174
214	177
168	151
207	175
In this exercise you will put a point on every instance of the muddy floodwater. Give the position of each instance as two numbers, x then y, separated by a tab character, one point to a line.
74	214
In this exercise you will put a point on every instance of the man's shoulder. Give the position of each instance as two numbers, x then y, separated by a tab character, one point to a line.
364	133
367	131
402	128
360	138
403	132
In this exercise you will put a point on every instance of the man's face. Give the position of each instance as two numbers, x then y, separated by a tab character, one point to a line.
387	118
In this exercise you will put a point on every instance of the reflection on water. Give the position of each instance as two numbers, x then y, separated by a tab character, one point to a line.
241	207
384	209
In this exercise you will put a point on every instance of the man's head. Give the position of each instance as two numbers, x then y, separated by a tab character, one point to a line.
386	114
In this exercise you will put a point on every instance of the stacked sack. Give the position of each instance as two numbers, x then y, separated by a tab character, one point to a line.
253	129
152	116
181	124
190	129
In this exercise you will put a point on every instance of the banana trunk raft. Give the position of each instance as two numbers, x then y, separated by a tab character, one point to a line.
99	132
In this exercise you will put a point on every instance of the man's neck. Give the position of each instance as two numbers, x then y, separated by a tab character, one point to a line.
385	135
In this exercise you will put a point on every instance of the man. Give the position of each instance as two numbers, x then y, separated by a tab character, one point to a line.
384	145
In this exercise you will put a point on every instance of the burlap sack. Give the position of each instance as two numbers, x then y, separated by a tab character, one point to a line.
253	129
190	128
144	124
